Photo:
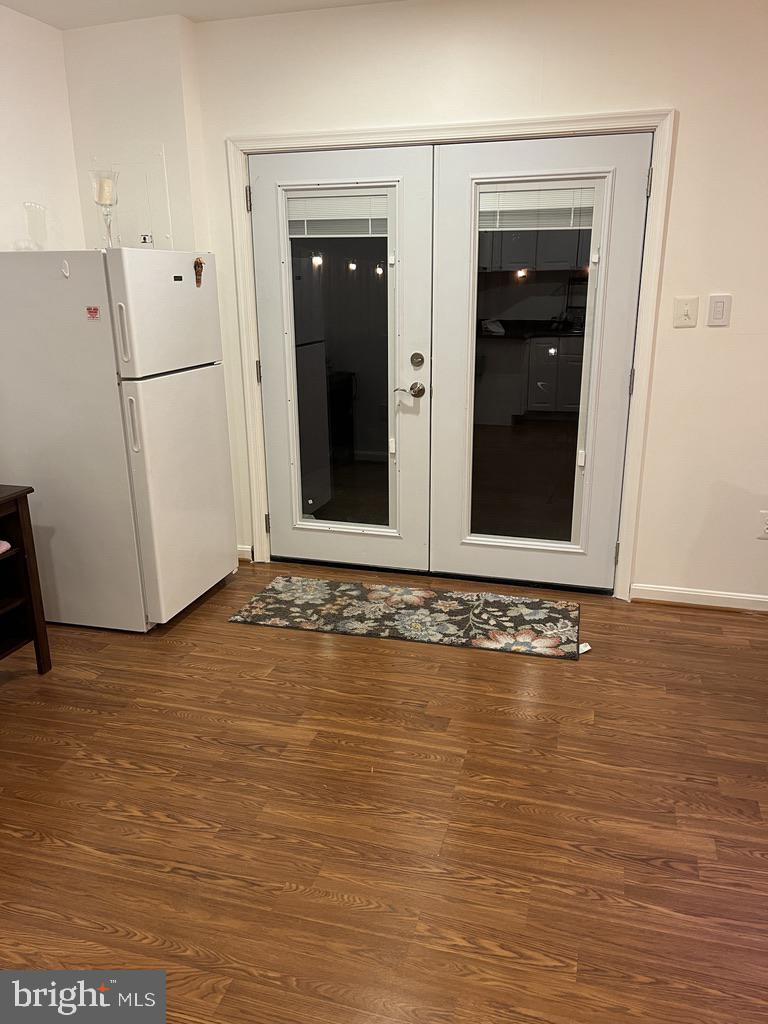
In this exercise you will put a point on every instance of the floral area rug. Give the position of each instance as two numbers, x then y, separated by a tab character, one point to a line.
473	619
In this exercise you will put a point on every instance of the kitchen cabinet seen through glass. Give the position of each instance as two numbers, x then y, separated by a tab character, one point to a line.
533	250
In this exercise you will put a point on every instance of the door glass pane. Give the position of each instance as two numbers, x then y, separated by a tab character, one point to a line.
532	286
341	334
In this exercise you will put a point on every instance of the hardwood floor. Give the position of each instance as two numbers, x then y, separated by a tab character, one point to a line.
337	830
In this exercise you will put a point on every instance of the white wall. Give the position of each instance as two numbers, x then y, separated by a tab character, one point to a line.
706	476
36	158
193	123
133	95
187	87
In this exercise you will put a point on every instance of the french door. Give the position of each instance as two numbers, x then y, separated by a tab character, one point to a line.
538	248
343	263
468	419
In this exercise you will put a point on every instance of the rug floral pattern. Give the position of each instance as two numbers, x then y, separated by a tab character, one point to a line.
461	619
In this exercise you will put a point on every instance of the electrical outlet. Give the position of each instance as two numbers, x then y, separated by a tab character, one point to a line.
763	534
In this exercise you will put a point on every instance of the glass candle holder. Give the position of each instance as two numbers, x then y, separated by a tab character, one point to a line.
105	196
37	226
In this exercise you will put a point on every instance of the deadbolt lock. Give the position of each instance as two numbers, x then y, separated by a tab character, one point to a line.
417	359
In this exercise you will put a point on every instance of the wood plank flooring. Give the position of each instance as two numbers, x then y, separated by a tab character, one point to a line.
338	830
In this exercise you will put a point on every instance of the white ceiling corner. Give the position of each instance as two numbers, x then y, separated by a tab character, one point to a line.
67	14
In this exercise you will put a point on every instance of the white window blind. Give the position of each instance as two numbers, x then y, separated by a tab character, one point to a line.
322	216
536	209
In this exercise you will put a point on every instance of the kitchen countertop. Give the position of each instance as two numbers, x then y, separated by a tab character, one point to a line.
526	333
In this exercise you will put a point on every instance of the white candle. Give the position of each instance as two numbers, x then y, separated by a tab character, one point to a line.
104	192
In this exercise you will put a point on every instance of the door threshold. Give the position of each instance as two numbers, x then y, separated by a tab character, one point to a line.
531	584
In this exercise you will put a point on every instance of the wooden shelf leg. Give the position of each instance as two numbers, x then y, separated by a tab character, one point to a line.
42	650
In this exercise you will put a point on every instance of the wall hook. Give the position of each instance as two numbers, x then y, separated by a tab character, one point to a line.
65	268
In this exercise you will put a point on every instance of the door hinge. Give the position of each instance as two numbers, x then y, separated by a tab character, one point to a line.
616	554
248	205
649	183
266	521
258	371
631	381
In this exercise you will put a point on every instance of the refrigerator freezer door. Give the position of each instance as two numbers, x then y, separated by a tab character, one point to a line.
163	321
178	444
61	431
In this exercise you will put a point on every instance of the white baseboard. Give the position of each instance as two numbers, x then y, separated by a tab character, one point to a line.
245	552
687	595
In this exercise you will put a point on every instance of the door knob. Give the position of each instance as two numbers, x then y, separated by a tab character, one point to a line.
416	389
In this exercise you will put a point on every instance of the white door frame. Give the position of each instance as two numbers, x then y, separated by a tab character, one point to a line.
661	122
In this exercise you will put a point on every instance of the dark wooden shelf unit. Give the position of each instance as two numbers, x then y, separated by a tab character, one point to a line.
21	605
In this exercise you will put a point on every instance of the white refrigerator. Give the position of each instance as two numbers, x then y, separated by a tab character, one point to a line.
112	407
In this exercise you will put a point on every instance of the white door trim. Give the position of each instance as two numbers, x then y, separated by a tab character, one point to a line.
661	122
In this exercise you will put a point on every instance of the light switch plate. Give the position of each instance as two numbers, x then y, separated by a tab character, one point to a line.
719	311
686	311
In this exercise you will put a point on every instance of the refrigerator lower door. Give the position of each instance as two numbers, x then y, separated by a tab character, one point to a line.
163	320
178	445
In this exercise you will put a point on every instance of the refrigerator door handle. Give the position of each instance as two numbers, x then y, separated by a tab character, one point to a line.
133	424
122	323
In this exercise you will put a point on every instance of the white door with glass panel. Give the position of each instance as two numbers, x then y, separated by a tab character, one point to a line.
538	248
343	262
537	252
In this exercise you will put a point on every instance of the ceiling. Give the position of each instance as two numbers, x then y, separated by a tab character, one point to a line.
80	13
